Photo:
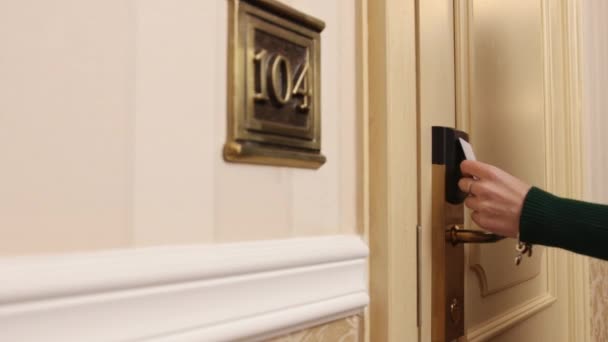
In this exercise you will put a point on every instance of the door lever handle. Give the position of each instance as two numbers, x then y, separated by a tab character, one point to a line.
456	235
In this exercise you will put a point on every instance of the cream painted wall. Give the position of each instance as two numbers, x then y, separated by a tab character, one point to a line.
184	191
66	103
595	110
112	120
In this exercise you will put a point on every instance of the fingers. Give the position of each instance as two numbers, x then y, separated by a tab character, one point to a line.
465	184
478	169
473	203
488	222
497	225
484	221
484	207
474	187
496	197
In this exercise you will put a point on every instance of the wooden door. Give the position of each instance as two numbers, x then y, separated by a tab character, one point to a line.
500	70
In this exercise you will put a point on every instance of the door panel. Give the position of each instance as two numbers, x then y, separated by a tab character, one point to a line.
507	127
506	117
506	124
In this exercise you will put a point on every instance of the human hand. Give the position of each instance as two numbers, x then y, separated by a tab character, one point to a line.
495	197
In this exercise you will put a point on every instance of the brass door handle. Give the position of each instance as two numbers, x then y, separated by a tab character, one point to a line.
456	235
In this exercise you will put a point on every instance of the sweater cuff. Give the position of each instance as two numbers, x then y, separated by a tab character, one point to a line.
534	216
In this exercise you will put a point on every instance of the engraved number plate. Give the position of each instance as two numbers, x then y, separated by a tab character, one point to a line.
274	114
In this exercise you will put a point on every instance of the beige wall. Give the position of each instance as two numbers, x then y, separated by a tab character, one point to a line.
112	120
181	183
595	108
66	105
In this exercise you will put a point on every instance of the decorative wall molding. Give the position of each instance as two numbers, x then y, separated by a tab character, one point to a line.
563	87
253	291
475	264
496	325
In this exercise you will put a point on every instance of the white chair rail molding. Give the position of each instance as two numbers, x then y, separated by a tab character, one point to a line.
223	292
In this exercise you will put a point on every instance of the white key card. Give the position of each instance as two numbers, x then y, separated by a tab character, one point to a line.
467	149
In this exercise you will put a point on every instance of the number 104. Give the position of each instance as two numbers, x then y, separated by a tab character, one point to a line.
274	80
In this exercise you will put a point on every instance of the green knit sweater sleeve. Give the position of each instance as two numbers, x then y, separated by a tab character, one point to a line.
577	226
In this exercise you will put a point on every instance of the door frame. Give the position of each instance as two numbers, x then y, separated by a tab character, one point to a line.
388	86
388	37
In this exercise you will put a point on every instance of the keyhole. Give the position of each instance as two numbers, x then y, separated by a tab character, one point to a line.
455	311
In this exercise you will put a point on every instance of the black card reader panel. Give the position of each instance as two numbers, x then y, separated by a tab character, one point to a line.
448	151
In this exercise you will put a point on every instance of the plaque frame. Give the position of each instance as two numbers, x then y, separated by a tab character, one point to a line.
292	137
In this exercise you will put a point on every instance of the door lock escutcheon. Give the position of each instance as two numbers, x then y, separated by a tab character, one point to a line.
449	236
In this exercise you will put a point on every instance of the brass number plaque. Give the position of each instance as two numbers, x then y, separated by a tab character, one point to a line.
274	104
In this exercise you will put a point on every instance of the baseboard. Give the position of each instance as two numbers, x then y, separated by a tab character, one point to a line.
243	291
